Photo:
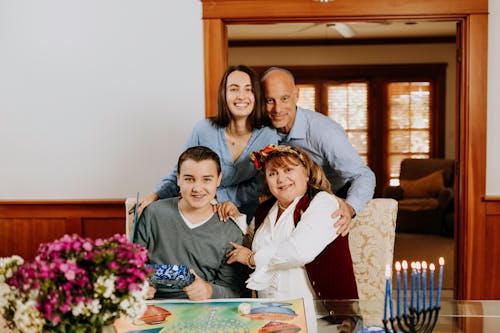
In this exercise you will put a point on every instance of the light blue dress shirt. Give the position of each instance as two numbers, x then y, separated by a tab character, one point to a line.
241	182
327	143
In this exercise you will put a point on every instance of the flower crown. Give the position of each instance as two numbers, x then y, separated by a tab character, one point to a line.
260	157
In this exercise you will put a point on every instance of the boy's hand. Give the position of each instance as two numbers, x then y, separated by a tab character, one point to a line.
151	292
199	290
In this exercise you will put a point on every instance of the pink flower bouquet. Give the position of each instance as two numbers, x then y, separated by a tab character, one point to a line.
74	284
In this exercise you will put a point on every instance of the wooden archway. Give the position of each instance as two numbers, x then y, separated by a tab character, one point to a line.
474	276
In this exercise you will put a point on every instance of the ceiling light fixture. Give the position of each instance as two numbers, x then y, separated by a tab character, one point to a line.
343	29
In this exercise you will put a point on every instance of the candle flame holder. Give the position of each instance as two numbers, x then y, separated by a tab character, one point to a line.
414	322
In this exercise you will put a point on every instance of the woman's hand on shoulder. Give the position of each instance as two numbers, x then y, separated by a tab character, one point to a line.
144	202
226	209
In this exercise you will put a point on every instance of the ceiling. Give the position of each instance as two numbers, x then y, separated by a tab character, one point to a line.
329	30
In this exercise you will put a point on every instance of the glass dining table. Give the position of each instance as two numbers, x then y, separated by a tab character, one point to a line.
366	315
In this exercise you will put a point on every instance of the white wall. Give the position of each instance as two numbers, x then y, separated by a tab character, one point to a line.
493	135
97	97
362	55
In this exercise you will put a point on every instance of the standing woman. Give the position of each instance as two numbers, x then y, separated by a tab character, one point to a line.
291	248
239	128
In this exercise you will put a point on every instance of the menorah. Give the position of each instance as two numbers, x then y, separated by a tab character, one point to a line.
422	321
415	318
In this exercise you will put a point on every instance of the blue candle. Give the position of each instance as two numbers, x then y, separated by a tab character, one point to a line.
431	284
412	285
390	289
424	283
405	286
398	288
417	272
440	280
387	290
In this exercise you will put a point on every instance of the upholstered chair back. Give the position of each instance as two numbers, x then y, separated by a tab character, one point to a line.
371	241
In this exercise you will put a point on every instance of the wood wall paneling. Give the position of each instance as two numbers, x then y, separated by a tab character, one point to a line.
491	247
26	224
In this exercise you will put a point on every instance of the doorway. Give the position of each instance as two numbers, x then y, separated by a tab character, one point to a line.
471	126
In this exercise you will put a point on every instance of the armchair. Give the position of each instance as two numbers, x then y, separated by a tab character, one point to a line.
425	196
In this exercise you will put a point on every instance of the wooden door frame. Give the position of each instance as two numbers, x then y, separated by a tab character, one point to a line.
470	261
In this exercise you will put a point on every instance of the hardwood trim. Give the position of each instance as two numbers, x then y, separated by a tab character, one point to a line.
330	42
24	224
215	50
493	207
306	9
472	159
348	72
471	137
491	198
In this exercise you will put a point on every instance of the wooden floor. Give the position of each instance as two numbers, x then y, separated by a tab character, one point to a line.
417	247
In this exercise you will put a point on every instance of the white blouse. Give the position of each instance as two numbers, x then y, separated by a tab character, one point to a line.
282	250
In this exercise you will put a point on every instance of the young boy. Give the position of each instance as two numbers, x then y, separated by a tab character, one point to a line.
186	231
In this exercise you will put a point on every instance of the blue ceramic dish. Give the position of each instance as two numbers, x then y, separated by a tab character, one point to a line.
170	276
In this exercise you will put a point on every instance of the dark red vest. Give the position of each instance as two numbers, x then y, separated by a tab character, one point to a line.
331	273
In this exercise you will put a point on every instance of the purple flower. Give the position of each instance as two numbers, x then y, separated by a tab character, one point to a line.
65	271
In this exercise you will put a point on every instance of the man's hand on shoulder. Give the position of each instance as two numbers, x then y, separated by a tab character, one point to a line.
345	214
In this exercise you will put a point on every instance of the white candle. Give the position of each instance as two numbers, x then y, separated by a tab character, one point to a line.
405	286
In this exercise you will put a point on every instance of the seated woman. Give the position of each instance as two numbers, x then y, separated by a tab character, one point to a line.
294	232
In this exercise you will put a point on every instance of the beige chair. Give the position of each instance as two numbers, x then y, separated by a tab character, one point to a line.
129	221
371	241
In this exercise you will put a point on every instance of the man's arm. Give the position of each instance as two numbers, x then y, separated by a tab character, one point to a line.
348	165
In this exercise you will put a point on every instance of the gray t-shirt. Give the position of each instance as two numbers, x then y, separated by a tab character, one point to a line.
163	232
